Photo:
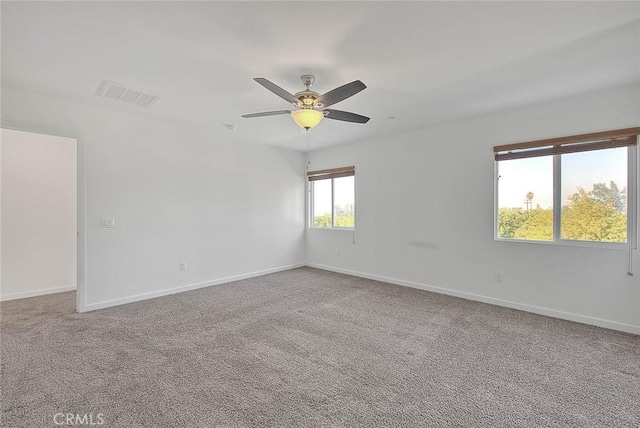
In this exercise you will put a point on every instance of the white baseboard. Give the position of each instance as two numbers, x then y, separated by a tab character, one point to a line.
34	293
183	288
628	328
613	325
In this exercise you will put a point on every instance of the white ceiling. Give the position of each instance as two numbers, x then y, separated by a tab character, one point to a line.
423	62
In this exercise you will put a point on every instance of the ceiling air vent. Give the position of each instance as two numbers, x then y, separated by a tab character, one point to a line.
126	94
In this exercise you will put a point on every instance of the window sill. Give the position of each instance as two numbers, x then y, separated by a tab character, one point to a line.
568	243
347	229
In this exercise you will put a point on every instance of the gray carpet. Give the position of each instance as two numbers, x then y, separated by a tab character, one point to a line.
312	348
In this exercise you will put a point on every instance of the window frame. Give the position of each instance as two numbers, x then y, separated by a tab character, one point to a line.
632	207
310	191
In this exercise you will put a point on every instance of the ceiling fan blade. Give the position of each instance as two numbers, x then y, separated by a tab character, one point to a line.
267	113
345	116
341	93
277	90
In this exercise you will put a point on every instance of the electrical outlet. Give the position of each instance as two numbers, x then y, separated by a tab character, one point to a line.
497	276
338	252
183	266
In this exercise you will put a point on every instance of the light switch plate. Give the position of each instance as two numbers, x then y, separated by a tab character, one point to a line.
108	223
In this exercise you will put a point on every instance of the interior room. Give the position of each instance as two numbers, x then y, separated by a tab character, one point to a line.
320	214
39	214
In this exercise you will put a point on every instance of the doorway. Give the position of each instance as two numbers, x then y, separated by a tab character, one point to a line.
39	220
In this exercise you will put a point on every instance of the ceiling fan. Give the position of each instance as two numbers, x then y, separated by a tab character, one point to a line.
311	106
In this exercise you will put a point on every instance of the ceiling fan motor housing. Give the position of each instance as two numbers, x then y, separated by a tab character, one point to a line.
308	99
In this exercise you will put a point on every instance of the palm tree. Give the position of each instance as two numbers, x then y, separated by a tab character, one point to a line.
529	199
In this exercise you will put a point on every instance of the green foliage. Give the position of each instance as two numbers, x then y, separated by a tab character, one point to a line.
345	221
598	215
610	196
322	220
537	225
344	217
510	220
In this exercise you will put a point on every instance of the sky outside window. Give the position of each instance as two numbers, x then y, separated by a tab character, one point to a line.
343	204
521	176
321	198
587	168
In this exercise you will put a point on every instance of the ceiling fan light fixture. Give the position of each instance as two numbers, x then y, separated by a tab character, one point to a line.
307	118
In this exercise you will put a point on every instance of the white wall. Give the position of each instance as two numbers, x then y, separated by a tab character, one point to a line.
38	214
232	210
441	180
228	210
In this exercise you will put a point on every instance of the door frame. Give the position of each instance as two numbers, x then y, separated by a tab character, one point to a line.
81	223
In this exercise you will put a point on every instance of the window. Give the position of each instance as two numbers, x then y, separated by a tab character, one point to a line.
571	189
332	201
525	199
